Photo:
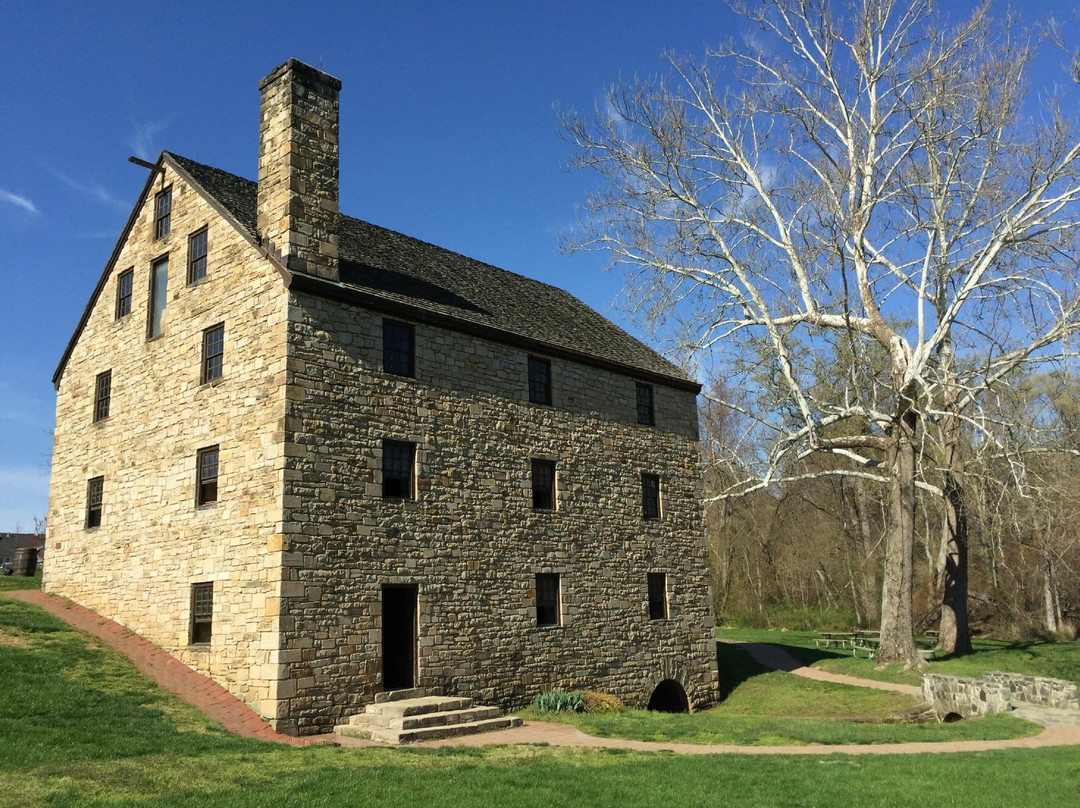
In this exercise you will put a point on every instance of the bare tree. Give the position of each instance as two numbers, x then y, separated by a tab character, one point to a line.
856	217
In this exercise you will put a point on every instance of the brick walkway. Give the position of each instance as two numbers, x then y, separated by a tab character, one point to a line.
213	700
199	691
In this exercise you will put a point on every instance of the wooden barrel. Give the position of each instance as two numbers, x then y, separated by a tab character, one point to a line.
25	561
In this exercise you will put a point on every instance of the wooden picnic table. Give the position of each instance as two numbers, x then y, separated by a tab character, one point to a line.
840	639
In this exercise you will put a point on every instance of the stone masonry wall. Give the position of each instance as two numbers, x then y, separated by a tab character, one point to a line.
298	167
1040	690
470	540
996	692
964	696
153	542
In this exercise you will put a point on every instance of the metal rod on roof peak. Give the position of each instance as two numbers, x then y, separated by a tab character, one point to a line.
139	162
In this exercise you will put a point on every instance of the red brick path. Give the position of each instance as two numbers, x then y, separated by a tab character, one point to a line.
199	691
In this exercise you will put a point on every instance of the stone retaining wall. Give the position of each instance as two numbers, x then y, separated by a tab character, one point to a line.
1036	689
994	693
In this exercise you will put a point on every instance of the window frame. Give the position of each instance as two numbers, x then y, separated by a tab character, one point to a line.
95	502
408	477
548	588
204	232
543	473
540	386
125	286
162	213
150	330
651	507
201	619
102	395
656	583
212	367
646	404
204	495
393	354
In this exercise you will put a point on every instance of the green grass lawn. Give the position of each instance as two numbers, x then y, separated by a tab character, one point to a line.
11	582
80	727
768	708
1059	660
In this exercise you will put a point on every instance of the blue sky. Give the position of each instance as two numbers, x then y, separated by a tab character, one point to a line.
448	133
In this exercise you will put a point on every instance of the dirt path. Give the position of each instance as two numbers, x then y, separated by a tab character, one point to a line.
777	658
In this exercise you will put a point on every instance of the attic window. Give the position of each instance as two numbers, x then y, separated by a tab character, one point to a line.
159	296
645	412
196	256
124	283
539	380
398	348
163	213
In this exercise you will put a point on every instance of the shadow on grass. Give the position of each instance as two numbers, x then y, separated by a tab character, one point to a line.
737	666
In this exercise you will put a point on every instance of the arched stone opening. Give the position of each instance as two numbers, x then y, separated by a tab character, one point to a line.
952	718
669	697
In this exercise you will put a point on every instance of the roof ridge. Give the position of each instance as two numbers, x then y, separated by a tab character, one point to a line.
390	230
409	271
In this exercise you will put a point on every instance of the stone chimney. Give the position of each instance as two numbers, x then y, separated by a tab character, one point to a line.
298	168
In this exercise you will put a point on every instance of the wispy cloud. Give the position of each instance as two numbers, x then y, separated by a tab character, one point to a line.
142	142
95	191
15	199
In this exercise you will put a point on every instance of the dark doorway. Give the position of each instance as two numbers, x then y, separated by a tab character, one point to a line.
399	636
669	697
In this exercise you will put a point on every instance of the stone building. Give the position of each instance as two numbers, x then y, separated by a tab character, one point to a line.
317	459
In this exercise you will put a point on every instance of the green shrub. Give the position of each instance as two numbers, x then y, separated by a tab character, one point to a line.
781	616
555	701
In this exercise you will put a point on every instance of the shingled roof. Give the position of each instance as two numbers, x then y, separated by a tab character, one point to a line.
386	269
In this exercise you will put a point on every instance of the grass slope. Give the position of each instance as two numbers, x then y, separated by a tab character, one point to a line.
770	708
80	727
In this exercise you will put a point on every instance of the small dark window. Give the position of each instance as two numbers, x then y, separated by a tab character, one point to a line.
539	380
102	395
398	341
202	613
95	490
159	297
206	476
645	413
124	283
543	485
213	352
196	268
658	596
547	599
397	469
162	213
650	496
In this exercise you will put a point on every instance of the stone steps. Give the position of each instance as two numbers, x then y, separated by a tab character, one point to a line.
412	717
